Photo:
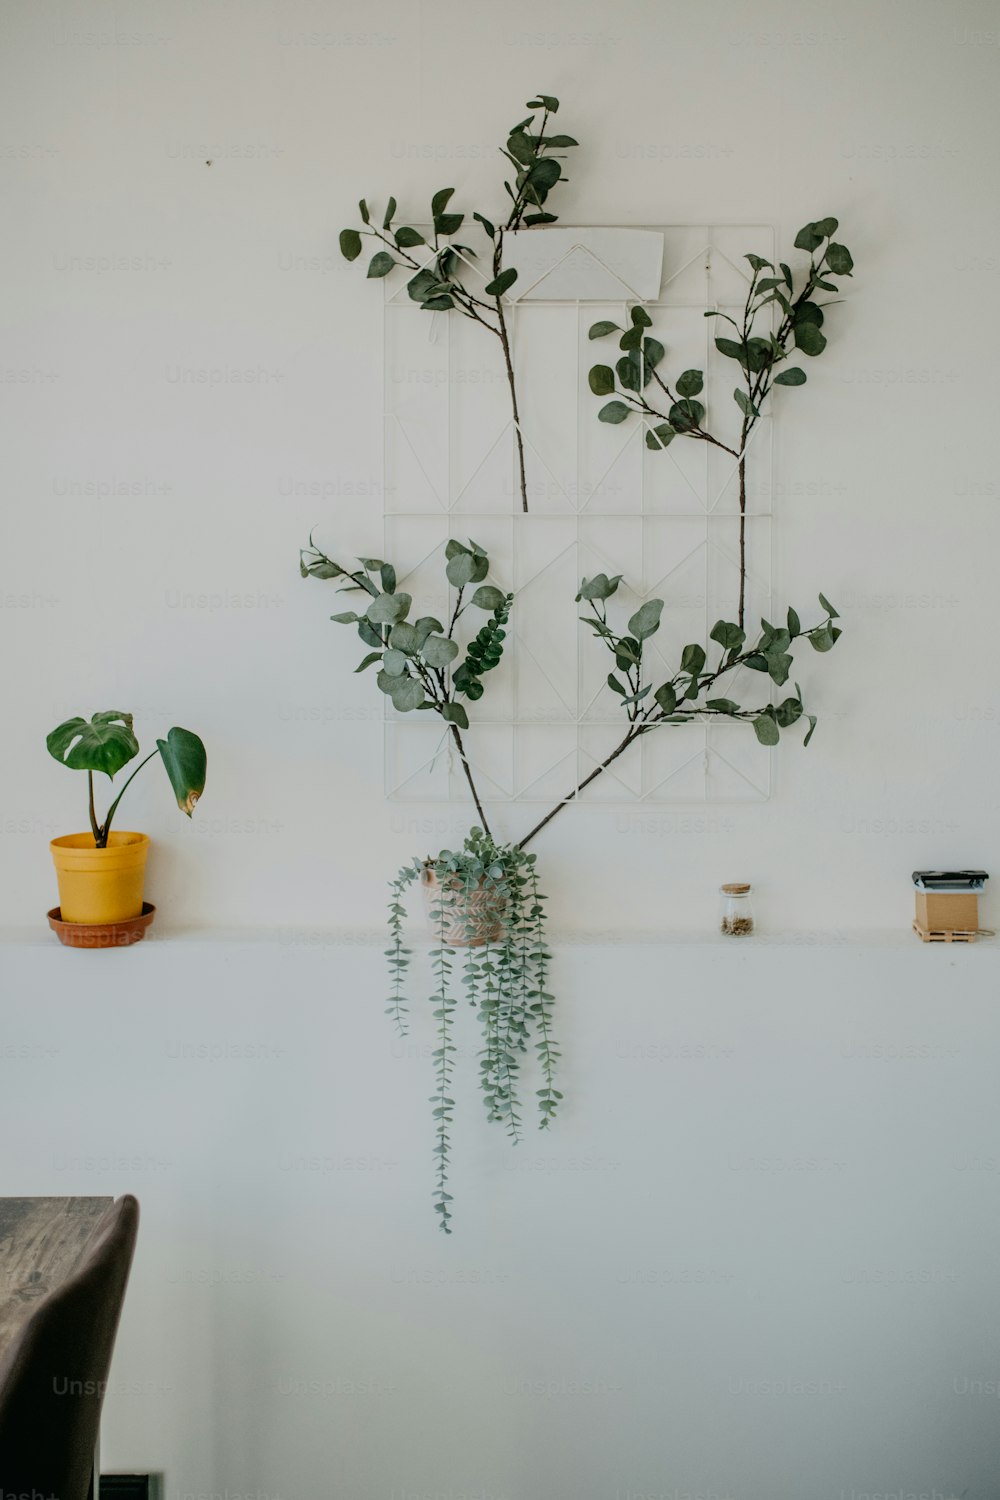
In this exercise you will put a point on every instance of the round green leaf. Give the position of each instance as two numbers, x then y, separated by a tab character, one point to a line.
602	380
602	329
438	651
350	244
731	349
839	259
394	662
380	264
628	371
686	414
454	713
614	412
487	597
766	730
693	659
794	376
388	608
659	436
461	569
729	636
406	694
646	620
690	383
809	339
405	638
599	587
809	312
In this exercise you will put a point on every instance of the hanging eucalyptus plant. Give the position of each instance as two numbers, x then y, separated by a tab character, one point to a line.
485	899
445	277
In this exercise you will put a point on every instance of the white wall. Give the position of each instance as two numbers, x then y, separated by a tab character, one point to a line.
755	1259
251	1272
884	116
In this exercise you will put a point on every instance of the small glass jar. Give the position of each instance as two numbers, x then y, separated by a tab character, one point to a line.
735	910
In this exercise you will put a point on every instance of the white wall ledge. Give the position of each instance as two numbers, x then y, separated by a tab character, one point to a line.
419	939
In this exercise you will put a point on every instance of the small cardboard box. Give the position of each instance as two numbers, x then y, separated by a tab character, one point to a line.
948	911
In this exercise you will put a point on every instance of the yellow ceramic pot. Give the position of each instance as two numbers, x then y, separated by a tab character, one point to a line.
100	885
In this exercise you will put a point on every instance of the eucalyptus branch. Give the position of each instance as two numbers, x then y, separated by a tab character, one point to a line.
439	284
415	656
757	357
681	699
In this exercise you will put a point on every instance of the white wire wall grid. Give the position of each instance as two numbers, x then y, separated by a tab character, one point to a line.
599	501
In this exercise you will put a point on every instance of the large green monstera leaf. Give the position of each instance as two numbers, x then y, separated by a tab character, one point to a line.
186	761
105	744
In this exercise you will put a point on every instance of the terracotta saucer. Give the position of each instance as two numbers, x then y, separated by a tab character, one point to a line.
101	934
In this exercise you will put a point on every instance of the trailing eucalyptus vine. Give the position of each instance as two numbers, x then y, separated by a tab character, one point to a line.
484	899
442	266
800	324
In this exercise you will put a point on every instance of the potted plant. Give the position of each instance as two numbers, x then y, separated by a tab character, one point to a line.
101	872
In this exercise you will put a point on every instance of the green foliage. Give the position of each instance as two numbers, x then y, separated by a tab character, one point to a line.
485	899
415	656
442	273
186	763
687	695
672	409
106	743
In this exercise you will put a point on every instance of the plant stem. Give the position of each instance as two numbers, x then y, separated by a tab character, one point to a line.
743	533
509	363
634	732
100	834
114	806
456	736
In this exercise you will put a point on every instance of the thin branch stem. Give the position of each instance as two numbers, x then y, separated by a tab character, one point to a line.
509	364
456	736
113	808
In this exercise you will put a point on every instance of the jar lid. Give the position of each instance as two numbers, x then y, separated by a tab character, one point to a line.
735	889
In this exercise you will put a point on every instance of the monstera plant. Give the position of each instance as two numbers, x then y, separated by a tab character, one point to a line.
445	274
484	898
101	873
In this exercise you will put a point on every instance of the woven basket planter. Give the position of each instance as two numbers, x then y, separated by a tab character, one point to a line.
475	917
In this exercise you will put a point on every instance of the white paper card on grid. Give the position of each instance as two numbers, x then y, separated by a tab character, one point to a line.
586	264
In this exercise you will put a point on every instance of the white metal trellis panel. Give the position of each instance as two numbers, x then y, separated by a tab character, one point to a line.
599	500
